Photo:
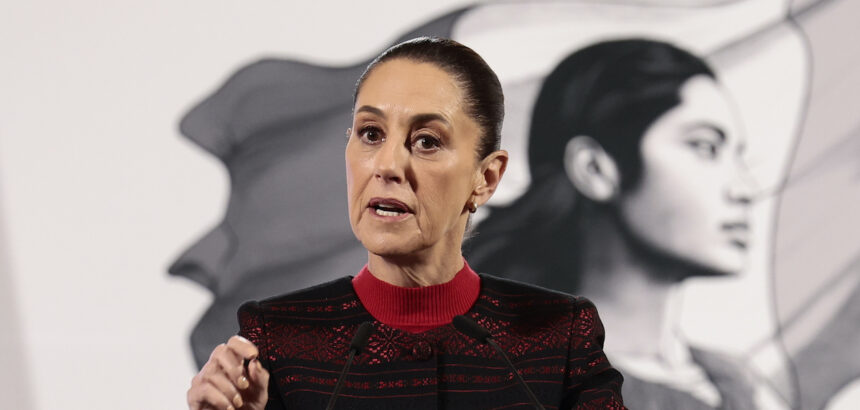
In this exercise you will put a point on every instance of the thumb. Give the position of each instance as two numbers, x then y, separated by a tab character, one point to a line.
257	393
258	375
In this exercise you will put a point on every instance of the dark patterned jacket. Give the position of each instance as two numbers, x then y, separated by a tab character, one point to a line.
555	341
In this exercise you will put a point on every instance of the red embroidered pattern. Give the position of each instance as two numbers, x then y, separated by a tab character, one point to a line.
553	340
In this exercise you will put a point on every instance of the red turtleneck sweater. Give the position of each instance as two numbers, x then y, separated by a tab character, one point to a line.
554	339
419	309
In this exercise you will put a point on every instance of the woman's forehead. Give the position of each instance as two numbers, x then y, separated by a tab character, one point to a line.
704	102
403	86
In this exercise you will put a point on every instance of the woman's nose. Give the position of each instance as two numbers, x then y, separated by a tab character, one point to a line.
743	187
390	161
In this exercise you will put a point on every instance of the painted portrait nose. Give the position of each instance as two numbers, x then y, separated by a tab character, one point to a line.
203	260
390	162
743	188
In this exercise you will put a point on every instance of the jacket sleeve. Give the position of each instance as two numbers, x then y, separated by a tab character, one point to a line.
590	381
252	326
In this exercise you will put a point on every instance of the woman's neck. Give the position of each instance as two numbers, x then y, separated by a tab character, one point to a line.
415	270
635	293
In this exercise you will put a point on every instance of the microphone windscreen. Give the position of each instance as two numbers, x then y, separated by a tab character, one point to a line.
468	327
361	336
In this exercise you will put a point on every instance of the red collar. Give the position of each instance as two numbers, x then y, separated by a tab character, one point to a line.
417	309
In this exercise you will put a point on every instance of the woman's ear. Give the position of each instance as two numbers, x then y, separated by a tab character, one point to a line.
590	169
491	170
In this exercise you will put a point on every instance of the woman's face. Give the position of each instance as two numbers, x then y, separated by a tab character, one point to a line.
411	162
692	200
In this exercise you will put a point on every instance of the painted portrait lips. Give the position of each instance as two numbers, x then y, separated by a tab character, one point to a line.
738	232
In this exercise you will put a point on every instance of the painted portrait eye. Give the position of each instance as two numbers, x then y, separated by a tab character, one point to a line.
704	149
706	142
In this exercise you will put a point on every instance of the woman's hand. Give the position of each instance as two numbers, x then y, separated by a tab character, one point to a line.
224	384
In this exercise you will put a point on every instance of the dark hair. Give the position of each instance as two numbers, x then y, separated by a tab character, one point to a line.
482	91
610	91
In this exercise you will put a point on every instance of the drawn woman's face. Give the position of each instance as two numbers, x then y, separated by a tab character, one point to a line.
692	200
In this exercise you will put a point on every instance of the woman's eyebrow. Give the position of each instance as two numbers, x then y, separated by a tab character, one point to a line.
715	128
425	118
370	109
417	118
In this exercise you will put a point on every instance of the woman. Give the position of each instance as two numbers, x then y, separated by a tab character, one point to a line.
637	185
422	154
252	121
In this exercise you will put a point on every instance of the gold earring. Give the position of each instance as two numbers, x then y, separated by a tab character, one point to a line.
472	206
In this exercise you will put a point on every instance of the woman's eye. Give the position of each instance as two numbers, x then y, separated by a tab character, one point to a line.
370	135
704	149
426	143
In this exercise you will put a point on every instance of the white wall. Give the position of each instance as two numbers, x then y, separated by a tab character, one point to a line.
99	191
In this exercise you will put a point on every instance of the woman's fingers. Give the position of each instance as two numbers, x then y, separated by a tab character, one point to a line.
223	356
224	384
231	358
257	375
257	393
243	347
205	395
227	387
243	350
232	367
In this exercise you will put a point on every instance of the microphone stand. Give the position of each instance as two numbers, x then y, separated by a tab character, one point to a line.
358	343
519	377
468	327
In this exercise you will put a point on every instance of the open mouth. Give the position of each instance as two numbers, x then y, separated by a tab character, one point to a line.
388	207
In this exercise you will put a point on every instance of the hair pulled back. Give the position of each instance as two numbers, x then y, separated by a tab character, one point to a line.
612	92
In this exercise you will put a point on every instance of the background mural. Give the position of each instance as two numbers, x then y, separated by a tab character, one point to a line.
100	196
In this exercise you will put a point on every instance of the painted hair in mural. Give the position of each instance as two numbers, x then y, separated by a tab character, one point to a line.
637	184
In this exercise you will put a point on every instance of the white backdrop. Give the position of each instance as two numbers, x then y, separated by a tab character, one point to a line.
99	193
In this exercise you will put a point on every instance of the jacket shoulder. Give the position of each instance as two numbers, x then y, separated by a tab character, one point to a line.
512	298
323	294
514	288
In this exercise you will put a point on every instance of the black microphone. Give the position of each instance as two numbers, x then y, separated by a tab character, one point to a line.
359	341
469	328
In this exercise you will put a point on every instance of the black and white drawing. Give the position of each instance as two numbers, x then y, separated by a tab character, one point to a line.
686	175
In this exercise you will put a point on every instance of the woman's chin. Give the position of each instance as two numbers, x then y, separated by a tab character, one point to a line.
729	263
389	246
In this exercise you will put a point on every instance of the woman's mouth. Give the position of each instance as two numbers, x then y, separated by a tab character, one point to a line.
388	207
382	211
738	243
738	233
